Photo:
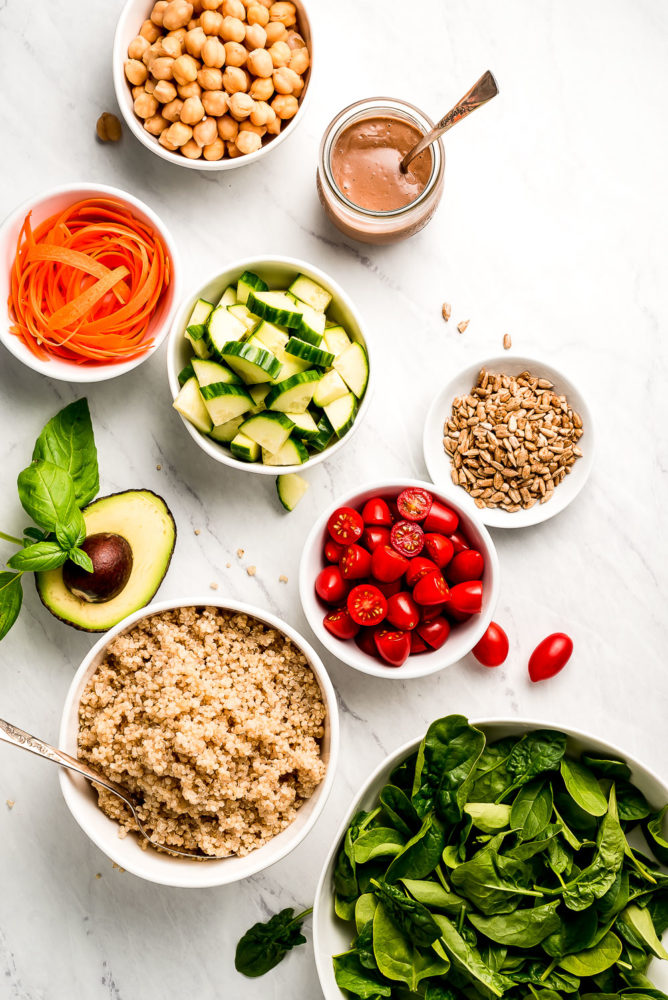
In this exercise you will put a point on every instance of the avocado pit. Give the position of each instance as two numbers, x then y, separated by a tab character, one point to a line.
112	560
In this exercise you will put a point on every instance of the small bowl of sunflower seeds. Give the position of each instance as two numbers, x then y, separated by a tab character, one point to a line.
515	435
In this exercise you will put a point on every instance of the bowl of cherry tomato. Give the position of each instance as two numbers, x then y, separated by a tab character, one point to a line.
398	581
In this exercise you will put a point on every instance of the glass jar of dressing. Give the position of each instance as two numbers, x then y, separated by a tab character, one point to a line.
361	186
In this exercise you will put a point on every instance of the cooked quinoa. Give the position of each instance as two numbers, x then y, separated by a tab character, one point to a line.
213	720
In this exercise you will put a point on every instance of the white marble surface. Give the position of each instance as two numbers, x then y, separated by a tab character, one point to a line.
553	228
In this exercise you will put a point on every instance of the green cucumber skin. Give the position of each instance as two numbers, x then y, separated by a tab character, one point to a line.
290	383
279	317
307	352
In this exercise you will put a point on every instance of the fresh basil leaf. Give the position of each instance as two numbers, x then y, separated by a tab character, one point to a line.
68	442
81	558
47	494
524	928
266	943
352	976
592	961
397	956
582	786
532	809
444	768
31	534
71	532
38	557
11	598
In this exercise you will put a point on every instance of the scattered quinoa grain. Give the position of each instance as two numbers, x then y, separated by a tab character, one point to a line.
507	342
463	325
446	311
158	468
197	531
10	803
282	578
252	570
98	874
227	565
213	585
240	553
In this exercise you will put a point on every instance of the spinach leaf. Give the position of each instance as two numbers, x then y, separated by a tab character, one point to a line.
655	837
398	958
363	945
47	494
613	902
573	816
492	882
351	975
632	804
400	810
265	944
468	961
411	917
378	842
68	442
581	785
421	854
559	857
575	932
11	598
444	768
404	774
607	767
488	816
524	928
38	557
491	776
591	961
539	974
435	992
639	921
532	809
365	907
434	895
539	751
346	886
595	880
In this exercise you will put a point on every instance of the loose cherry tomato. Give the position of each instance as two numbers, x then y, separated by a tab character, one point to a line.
340	624
373	537
407	538
330	585
402	611
441	518
366	604
418	645
414	503
387	565
417	568
389	589
355	563
469	564
459	541
366	642
492	649
345	525
550	656
439	548
333	551
394	647
432	611
376	512
467	597
431	589
435	632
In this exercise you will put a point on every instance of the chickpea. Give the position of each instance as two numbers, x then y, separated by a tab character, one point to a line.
197	7
234	8
294	40
162	68
241	106
164	91
247	126
280	54
213	53
179	34
205	132
136	91
262	89
187	90
264	3
154	51
172	111
257	14
259	63
233	29
177	14
158	12
256	36
235	80
286	81
276	32
235	54
228	128
211	21
232	151
191	150
283	11
135	71
195	40
248	142
164	141
300	61
149	86
274	127
145	105
215	102
262	114
156	124
215	150
172	46
192	111
210	78
211	4
138	46
178	133
285	105
150	31
185	68
192	23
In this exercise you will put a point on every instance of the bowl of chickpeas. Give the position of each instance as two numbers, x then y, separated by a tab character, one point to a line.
212	84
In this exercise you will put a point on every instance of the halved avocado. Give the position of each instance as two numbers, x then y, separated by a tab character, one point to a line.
144	521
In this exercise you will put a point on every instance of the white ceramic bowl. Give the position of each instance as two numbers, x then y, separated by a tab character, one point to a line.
45	205
162	868
463	637
440	466
276	271
134	13
331	936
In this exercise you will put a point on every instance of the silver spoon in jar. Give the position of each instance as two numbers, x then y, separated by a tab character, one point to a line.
480	93
18	738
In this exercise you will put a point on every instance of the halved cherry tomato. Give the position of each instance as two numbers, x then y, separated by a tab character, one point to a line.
330	585
366	642
550	656
402	611
393	646
441	518
456	617
459	541
432	611
340	624
466	565
492	649
355	563
467	597
387	565
407	538
376	512
414	503
417	568
333	551
435	632
366	604
373	537
439	548
345	525
389	589
431	589
418	645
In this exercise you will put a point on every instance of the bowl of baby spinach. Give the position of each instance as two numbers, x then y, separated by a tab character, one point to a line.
498	859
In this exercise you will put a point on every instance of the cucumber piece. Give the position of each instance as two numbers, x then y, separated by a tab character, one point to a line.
289	366
258	393
225	401
353	367
341	413
275	307
196	327
308	291
305	426
253	363
221	328
208	372
242	447
270	337
189	404
325	434
225	432
185	374
228	298
330	387
270	430
293	452
312	326
307	352
290	487
336	340
247	283
293	394
242	314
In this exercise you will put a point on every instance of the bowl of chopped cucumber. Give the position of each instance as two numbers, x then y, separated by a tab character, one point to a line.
269	368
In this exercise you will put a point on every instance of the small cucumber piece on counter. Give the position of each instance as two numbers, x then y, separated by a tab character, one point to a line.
222	327
242	447
254	364
225	401
208	372
309	353
189	404
225	432
196	327
270	337
270	430
241	313
336	340
330	387
309	292
228	298
247	283
290	487
275	307
324	436
341	413
292	452
185	374
353	367
305	426
293	394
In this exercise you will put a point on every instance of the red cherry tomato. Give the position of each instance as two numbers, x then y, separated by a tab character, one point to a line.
366	604
550	656
418	645
407	538
439	548
355	563
330	585
345	525
467	597
414	503
459	541
373	537
389	589
432	611
393	646
417	568
441	518
456	617
366	642
435	632
402	611
492	649
431	589
466	565
387	565
376	512
333	551
340	624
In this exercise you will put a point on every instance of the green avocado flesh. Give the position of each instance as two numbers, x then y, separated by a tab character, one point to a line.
143	519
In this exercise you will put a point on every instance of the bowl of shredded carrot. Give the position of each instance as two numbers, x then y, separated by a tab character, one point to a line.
91	281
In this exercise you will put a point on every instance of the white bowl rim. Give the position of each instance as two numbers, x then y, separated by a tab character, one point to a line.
205	874
347	651
66	371
151	143
211	447
495	517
